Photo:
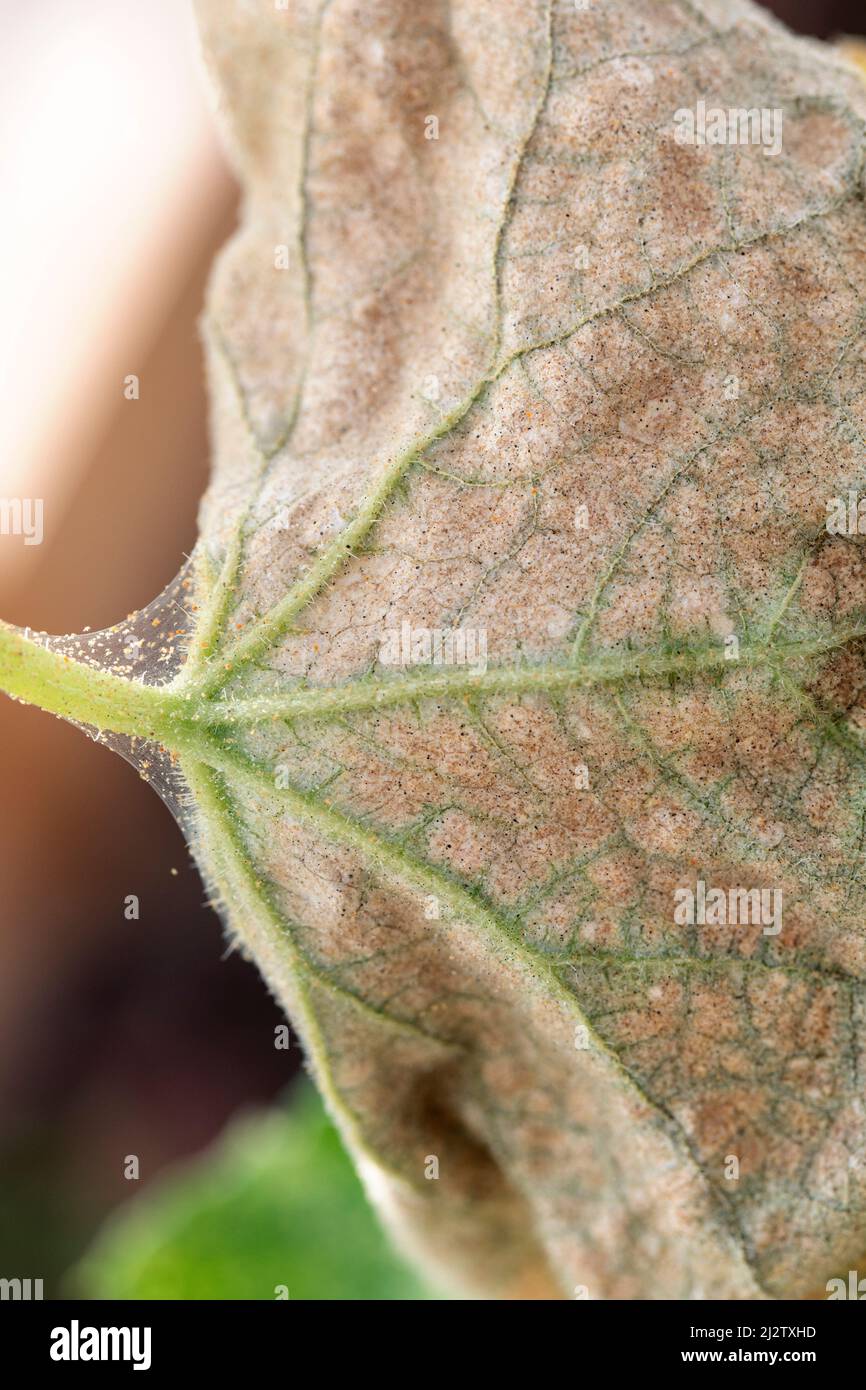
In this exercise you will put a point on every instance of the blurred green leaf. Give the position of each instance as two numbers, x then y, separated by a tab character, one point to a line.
276	1202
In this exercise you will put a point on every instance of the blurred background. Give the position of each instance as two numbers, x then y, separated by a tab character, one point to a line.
140	1038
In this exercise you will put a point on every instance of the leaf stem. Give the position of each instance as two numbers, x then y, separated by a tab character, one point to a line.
74	690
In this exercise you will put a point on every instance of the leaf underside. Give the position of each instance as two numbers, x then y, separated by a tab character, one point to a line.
476	336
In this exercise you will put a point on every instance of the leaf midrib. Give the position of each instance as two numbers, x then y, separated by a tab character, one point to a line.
35	674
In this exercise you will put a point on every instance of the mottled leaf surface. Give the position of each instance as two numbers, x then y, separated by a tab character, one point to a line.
428	356
477	335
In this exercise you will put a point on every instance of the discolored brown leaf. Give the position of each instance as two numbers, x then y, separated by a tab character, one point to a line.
495	356
553	306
